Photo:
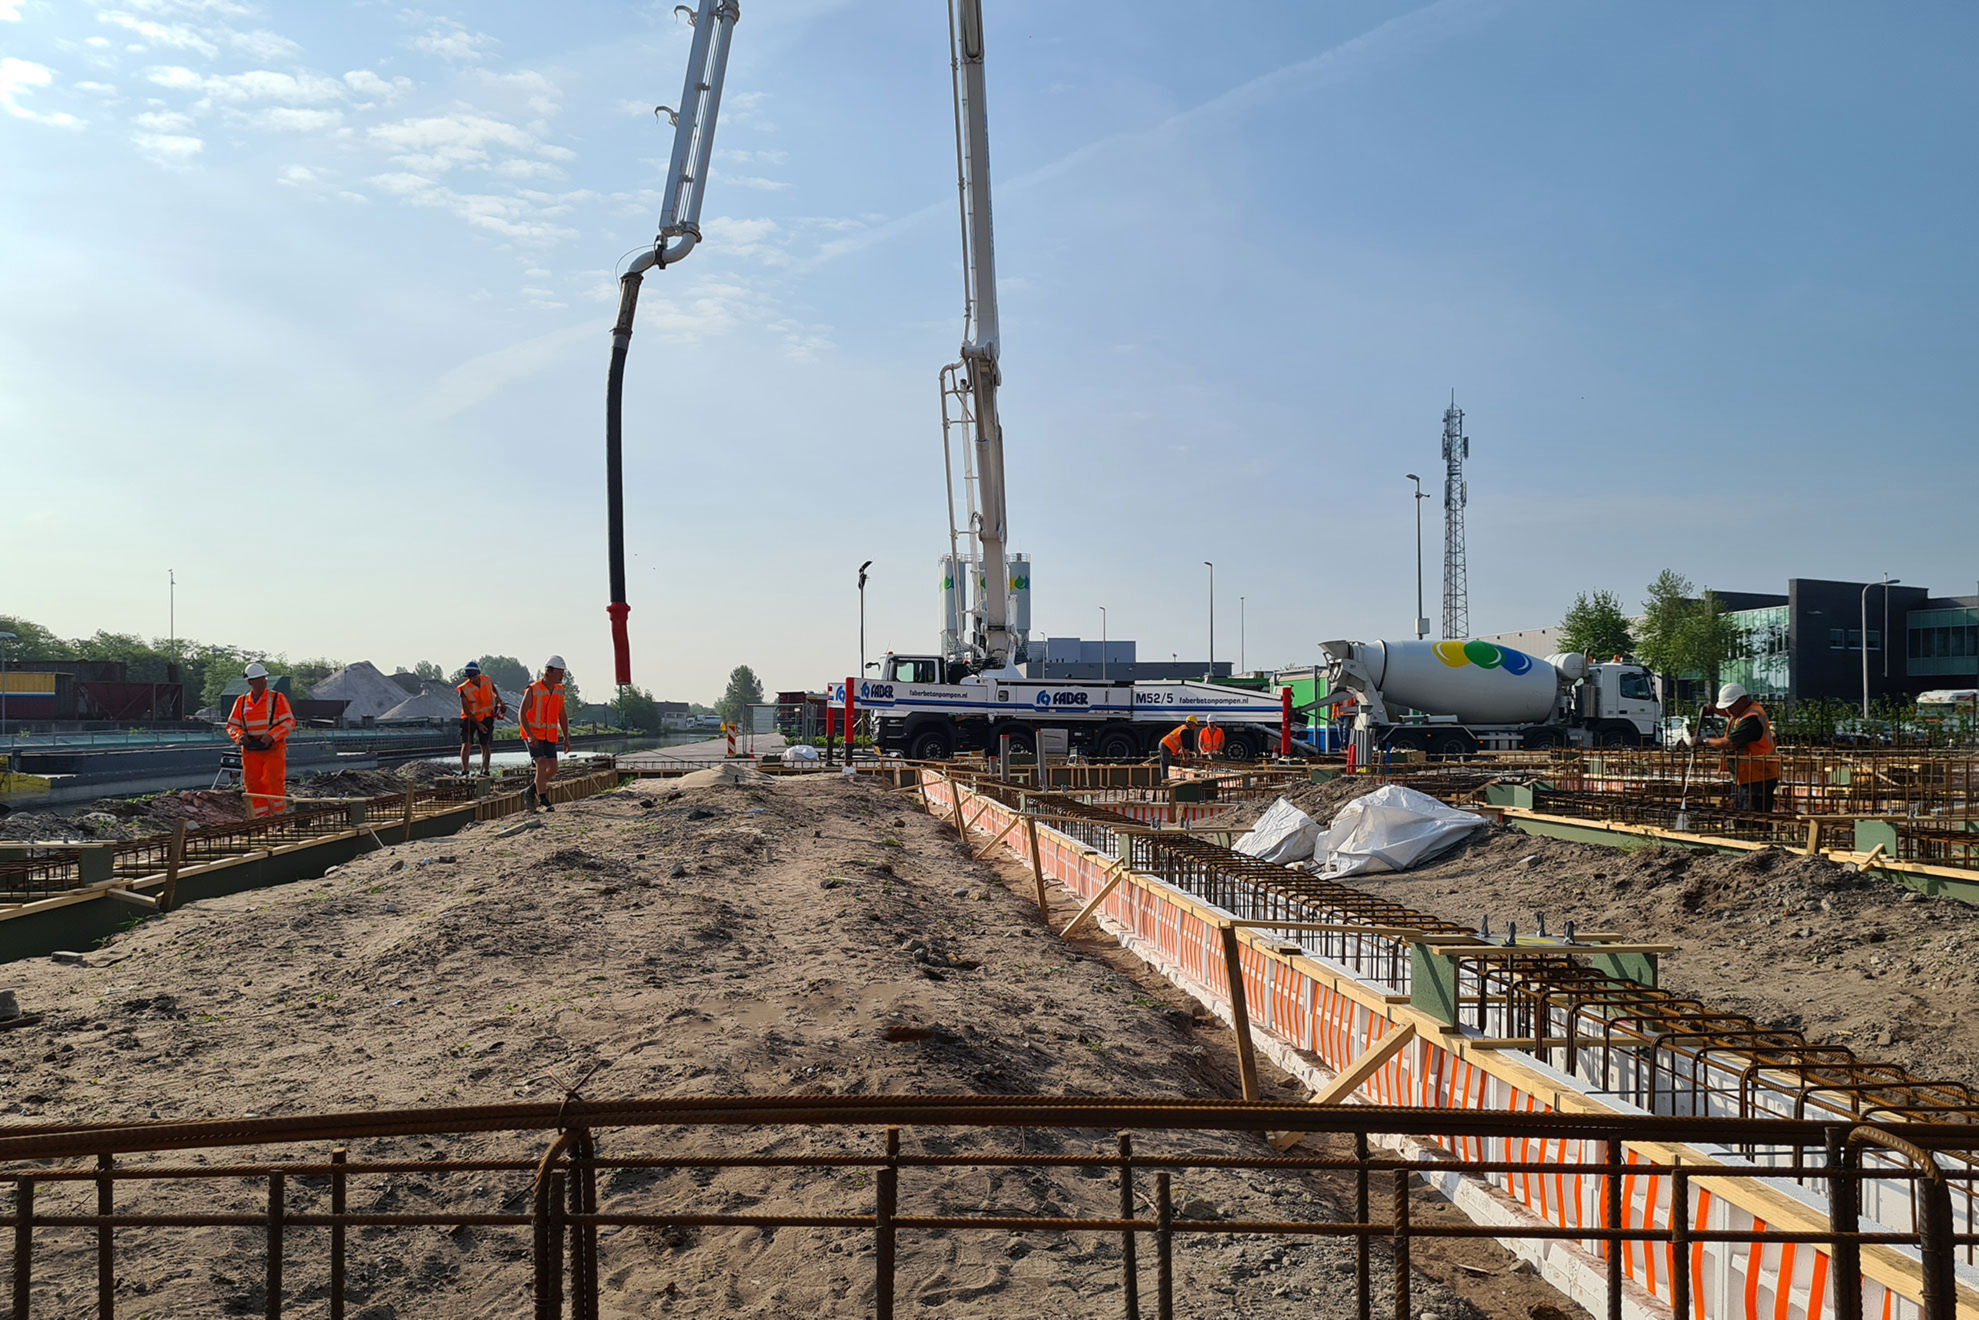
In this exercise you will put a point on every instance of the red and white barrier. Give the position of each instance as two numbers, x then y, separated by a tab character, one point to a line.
1313	1019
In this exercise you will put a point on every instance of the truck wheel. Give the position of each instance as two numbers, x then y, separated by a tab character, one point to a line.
1615	738
1450	744
1117	745
1023	741
933	742
1239	747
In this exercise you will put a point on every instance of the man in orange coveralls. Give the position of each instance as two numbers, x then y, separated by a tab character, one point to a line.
261	723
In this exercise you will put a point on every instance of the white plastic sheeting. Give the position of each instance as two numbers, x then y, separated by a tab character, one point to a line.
800	752
1283	834
1390	829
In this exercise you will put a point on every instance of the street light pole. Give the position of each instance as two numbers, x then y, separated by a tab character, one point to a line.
1243	667
862	616
1212	618
1102	643
1888	581
1422	629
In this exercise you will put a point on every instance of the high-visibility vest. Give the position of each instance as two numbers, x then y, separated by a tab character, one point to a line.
269	717
478	697
1209	740
1173	742
1756	761
542	712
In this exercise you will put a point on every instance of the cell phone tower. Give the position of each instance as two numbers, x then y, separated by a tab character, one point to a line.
1456	494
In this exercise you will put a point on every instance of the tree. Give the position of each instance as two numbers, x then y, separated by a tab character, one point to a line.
426	669
1597	626
744	689
509	673
33	642
636	709
1685	635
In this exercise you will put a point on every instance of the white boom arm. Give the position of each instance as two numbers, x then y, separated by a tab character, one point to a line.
993	643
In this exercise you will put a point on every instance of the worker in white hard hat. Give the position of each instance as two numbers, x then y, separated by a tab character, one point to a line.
545	725
261	722
1209	740
1750	755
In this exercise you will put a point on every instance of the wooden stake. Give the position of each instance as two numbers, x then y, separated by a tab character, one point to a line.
1240	1015
1869	861
1814	837
955	795
988	847
1037	864
1365	1066
175	857
1112	882
408	817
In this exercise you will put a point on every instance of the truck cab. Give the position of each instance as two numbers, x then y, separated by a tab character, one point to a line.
1617	704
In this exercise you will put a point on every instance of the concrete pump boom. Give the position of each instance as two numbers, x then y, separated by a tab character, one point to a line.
680	229
993	643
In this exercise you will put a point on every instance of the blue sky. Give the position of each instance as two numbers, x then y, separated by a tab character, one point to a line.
311	303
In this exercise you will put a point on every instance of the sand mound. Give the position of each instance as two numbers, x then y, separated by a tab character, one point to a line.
361	684
729	772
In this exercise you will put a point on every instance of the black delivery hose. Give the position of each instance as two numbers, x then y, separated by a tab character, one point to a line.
628	303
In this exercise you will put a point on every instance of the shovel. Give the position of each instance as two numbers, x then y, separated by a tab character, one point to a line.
1683	799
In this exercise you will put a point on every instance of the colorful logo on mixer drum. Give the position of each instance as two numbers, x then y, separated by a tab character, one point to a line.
1484	655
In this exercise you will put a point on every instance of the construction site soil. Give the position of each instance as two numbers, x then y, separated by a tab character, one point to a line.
1792	941
815	934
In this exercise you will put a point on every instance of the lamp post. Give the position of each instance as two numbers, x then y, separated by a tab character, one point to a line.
1422	622
1102	643
1212	618
1888	582
5	637
862	616
1242	666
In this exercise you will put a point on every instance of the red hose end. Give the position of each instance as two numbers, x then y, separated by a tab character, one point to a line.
621	643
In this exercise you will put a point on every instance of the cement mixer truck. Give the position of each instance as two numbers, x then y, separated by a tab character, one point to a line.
1456	698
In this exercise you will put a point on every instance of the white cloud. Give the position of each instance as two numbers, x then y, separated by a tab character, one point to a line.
98	42
523	217
366	83
10	11
19	78
163	121
212	8
541	95
290	120
97	88
168	148
743	238
296	175
453	43
741	157
480	379
254	85
439	143
517	168
175	35
754	182
264	45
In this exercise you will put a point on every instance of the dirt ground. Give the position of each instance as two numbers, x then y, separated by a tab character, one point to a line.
1792	941
736	939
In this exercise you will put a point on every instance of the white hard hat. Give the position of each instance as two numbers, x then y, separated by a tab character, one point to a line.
554	662
1730	695
1209	719
257	670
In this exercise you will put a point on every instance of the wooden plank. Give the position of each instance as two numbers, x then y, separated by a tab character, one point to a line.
1240	1014
1112	883
174	859
1037	866
145	901
991	845
1364	1066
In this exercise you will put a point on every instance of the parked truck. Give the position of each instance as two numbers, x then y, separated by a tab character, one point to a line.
1455	698
927	708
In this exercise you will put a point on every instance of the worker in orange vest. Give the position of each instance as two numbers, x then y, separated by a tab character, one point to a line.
261	723
1176	744
1751	756
545	724
1209	740
480	706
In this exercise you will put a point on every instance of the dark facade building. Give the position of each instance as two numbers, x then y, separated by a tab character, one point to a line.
1810	642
